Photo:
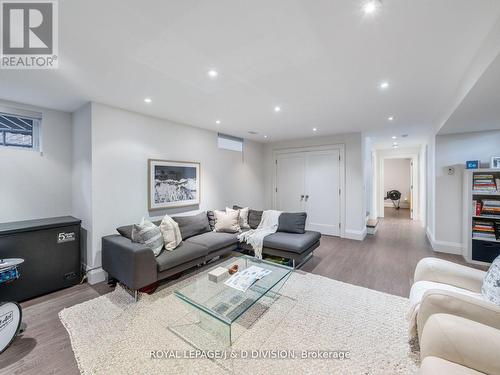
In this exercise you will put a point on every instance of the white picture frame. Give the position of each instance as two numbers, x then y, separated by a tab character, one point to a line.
495	162
173	184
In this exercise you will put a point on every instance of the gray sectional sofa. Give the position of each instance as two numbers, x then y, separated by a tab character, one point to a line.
135	265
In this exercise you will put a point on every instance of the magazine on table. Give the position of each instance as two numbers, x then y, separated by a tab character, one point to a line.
244	279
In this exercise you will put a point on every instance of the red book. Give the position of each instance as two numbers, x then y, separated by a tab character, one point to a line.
478	208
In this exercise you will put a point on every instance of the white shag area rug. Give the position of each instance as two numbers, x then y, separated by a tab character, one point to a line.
112	334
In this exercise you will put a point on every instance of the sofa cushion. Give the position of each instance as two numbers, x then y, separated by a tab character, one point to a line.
254	218
292	222
292	242
185	252
214	240
192	225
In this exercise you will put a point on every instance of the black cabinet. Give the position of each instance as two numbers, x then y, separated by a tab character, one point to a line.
485	251
51	252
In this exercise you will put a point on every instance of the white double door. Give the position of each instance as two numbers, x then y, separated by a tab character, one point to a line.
310	181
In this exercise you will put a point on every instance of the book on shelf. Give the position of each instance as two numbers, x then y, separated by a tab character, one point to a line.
484	230
486	183
490	207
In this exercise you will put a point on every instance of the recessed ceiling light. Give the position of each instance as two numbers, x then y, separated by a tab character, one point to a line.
314	129
277	109
217	122
394	143
395	146
265	136
212	73
147	100
384	85
371	6
390	118
394	137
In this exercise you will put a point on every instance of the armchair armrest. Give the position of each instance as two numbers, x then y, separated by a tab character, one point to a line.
131	263
448	302
462	341
442	271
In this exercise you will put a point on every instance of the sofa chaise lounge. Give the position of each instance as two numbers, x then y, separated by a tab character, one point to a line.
135	266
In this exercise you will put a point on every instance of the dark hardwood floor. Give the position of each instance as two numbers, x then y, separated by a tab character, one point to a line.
383	262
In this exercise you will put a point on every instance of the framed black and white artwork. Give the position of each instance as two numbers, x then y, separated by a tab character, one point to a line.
173	184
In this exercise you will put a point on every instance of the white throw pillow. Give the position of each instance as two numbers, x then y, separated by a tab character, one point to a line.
491	282
171	233
243	217
227	221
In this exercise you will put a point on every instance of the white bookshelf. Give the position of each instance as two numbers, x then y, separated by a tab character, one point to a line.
469	211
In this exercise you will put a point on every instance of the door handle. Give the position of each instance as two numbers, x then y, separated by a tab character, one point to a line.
307	197
301	198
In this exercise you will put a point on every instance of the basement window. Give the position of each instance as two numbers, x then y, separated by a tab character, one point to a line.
228	142
20	129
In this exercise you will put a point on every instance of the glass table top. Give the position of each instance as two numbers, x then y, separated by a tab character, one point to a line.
224	302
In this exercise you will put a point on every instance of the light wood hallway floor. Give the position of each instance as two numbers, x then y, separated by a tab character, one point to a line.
383	262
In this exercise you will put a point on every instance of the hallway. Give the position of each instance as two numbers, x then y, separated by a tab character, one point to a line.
385	261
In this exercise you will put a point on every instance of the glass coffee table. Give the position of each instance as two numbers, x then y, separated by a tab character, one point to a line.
216	306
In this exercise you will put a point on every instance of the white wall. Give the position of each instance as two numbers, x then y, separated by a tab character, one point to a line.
453	150
355	225
368	167
123	141
82	178
397	177
35	184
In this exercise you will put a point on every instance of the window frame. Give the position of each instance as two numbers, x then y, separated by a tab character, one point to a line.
35	117
230	138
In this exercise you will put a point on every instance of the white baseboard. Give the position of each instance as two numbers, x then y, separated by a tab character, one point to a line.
96	276
358	235
444	246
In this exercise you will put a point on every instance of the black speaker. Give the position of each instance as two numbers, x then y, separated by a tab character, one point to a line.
51	252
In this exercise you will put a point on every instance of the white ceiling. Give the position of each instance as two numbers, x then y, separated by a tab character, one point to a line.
321	61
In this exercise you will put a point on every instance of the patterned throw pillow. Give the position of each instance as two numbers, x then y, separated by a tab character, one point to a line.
211	220
148	234
243	216
491	283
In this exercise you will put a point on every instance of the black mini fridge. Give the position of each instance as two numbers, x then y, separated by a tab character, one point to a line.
51	252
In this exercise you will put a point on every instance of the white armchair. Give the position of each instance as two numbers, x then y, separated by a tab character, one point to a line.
445	287
453	345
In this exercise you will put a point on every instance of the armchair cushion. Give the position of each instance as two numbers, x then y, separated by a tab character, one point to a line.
465	306
417	293
461	341
445	272
438	366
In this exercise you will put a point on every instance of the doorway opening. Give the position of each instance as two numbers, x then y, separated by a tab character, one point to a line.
398	200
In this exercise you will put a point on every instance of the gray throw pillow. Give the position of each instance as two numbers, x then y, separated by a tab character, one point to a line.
254	218
292	222
491	283
125	231
192	225
148	234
